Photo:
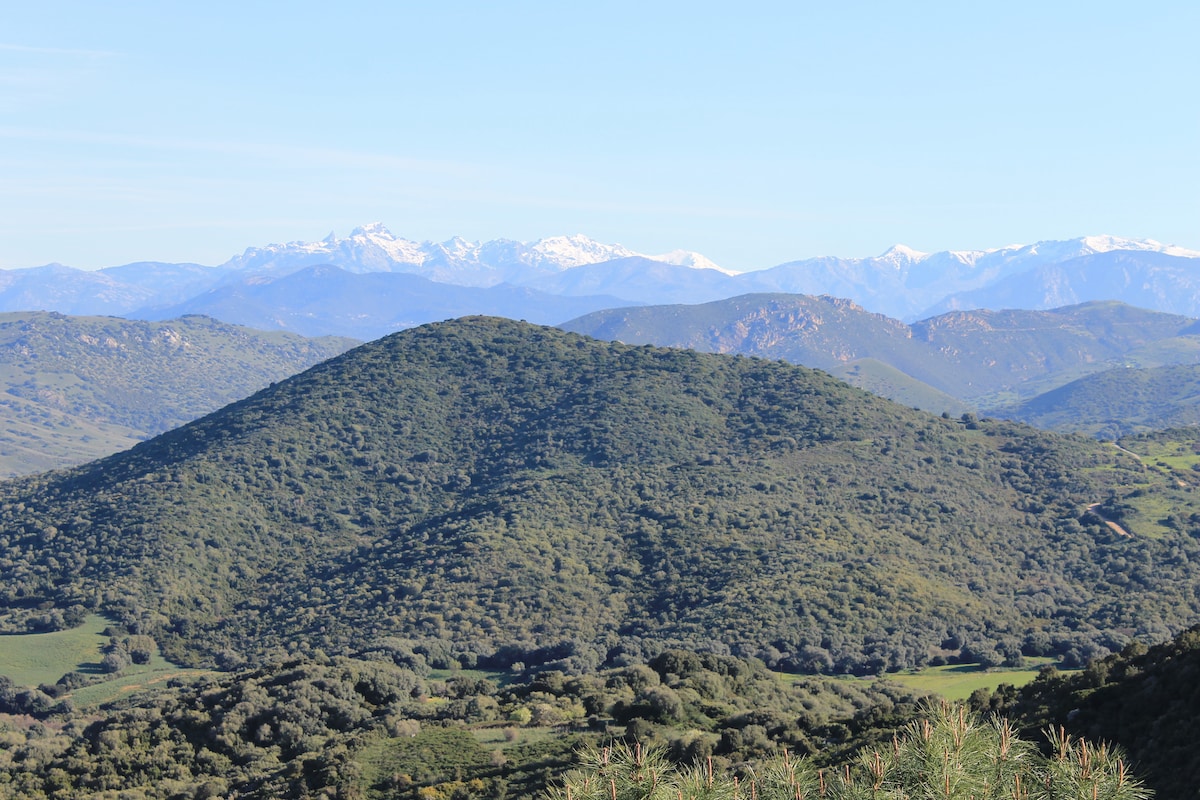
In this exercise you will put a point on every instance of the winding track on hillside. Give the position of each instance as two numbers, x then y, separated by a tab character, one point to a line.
1094	508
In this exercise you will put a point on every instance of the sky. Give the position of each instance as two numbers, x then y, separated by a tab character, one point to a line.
754	133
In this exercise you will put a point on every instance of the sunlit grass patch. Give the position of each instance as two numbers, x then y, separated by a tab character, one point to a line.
952	681
36	658
958	681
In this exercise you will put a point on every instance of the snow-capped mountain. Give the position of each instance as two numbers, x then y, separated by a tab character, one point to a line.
899	257
373	248
908	284
902	283
1091	245
565	252
1144	278
688	258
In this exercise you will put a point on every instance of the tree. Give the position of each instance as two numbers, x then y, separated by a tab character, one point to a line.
115	660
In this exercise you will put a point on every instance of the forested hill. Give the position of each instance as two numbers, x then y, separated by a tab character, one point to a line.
988	359
1118	402
497	492
73	389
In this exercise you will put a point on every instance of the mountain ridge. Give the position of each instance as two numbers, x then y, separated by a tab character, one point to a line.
373	248
901	282
315	300
979	357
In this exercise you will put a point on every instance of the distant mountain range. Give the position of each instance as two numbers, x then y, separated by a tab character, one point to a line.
992	361
372	282
903	324
318	300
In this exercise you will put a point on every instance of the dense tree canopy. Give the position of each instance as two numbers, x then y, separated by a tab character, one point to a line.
499	492
1146	699
355	728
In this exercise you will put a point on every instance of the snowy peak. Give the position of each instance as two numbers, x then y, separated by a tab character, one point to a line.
1093	245
453	248
967	257
578	250
375	236
899	256
369	248
374	248
372	229
688	258
1106	243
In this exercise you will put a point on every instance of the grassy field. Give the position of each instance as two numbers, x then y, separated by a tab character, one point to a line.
500	677
493	737
33	659
37	658
954	681
132	679
958	681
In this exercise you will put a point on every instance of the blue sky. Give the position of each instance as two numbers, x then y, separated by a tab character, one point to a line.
755	133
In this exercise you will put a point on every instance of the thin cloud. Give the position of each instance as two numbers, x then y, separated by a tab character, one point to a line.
557	200
292	154
57	51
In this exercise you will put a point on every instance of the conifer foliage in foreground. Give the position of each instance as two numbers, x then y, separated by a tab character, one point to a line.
950	755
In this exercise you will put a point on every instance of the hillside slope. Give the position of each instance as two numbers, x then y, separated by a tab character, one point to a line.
73	389
987	359
512	493
1145	699
1118	402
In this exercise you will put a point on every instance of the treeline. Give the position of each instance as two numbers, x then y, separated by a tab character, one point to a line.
342	727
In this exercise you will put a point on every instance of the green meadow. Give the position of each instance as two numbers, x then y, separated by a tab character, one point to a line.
958	681
954	681
37	658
